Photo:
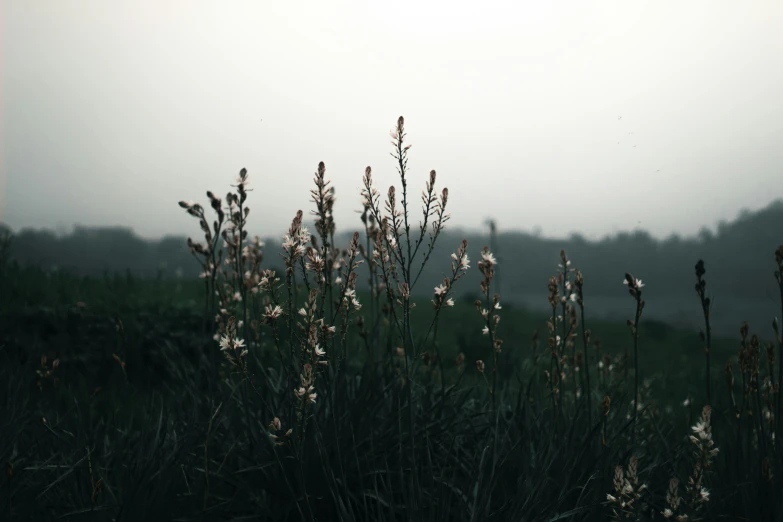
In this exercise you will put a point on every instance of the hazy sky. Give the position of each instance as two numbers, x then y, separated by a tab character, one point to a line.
570	116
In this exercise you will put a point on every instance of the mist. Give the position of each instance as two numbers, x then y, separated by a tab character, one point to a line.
565	117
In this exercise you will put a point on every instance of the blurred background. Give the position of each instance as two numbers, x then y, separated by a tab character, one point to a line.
639	137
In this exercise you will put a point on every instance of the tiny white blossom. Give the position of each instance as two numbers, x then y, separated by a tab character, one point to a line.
489	257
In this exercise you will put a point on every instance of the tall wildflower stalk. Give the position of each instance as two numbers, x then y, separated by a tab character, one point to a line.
489	314
635	289
578	296
568	325
395	250
208	255
459	266
706	335
234	237
554	375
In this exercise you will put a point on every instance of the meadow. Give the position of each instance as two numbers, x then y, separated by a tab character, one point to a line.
328	389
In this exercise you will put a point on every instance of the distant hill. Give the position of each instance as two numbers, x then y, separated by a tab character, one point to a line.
739	258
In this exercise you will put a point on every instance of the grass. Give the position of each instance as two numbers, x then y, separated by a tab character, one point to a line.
328	389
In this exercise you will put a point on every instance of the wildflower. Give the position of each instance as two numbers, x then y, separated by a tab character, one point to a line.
463	262
637	283
229	343
272	313
480	366
489	257
307	393
450	302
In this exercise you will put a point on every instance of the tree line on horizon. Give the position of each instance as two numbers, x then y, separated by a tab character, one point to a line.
737	254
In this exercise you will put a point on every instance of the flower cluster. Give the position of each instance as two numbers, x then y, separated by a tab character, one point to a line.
628	492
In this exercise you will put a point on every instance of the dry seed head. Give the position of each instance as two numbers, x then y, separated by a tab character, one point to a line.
633	464
619	479
672	495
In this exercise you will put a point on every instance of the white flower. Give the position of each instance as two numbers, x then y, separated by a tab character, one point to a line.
450	302
489	257
304	235
440	289
637	282
273	313
485	331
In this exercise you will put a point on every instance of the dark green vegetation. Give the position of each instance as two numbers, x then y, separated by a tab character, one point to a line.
117	403
737	252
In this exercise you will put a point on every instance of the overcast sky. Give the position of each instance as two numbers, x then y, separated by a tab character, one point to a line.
569	116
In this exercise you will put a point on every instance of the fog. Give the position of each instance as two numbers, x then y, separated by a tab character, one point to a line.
563	116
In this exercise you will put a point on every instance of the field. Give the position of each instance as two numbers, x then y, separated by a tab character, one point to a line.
329	390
